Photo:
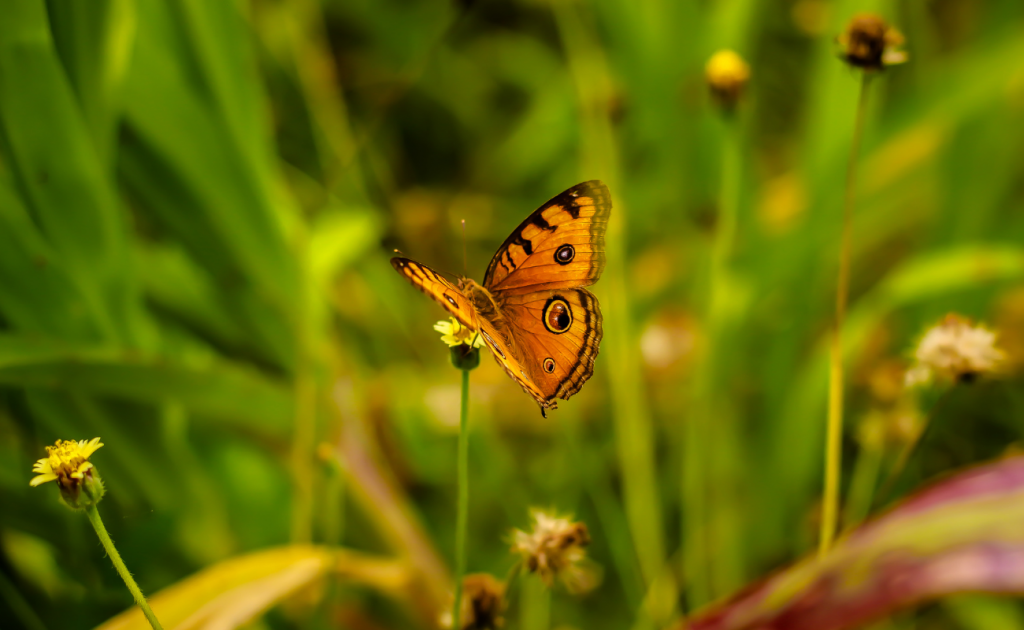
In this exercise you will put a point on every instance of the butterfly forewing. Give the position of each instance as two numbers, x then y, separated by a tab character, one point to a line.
559	246
498	339
439	289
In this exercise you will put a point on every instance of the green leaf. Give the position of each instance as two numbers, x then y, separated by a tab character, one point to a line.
235	396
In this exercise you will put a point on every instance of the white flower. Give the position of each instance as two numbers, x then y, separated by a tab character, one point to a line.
556	548
954	351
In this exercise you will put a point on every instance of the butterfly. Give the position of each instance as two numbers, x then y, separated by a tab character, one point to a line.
532	309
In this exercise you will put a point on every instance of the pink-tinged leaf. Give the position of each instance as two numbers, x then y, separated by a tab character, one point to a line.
963	534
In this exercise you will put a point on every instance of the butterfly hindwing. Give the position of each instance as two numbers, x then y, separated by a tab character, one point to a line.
559	246
557	333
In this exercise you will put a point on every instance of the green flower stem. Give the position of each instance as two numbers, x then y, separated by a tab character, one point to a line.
108	544
910	448
862	485
334	504
462	517
712	553
833	439
535	605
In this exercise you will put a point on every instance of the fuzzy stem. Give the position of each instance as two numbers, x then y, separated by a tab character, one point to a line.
462	517
833	440
108	545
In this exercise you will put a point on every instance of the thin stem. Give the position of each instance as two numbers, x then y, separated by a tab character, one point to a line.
609	513
710	557
334	502
862	485
911	447
462	517
833	440
305	387
535	606
108	545
303	442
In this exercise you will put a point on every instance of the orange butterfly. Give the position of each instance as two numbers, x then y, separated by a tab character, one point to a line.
540	323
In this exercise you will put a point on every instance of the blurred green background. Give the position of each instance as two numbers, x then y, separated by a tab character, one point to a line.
198	200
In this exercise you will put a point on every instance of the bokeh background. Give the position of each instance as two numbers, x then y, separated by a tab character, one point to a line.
198	201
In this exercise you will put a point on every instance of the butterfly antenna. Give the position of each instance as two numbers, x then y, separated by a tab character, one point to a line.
465	266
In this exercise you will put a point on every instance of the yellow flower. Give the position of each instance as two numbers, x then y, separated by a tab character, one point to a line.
453	333
68	464
67	460
727	74
555	548
871	44
955	351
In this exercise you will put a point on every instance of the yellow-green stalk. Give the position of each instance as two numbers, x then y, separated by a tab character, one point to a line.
868	43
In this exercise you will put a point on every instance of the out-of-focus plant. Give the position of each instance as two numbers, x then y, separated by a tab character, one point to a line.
234	592
964	534
868	44
197	204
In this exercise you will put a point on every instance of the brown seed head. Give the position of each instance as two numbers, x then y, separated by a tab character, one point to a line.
483	602
486	598
870	43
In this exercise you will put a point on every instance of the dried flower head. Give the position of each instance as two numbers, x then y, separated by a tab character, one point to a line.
555	549
870	44
727	75
67	463
954	351
483	602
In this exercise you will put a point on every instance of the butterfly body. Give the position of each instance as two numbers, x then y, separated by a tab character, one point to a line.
532	309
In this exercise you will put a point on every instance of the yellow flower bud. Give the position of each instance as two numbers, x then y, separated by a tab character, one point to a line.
727	75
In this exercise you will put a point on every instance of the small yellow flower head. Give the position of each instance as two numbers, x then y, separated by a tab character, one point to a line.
68	464
463	341
727	75
453	333
870	44
555	549
954	351
483	602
